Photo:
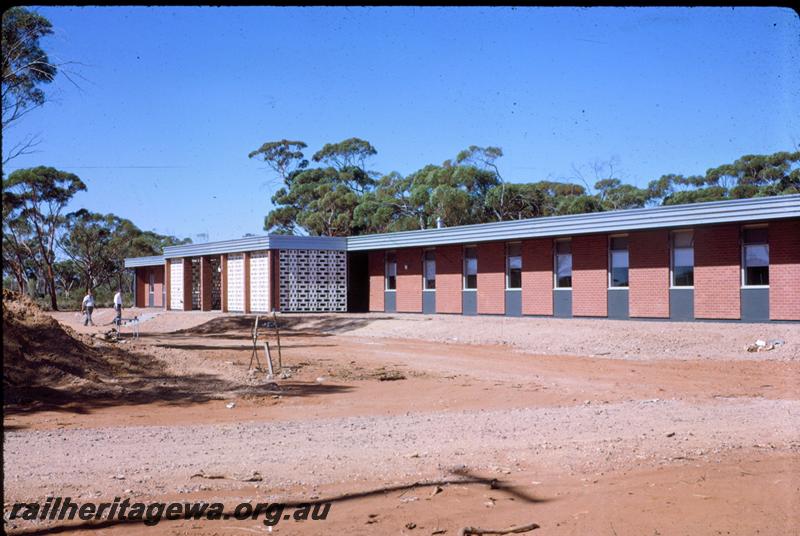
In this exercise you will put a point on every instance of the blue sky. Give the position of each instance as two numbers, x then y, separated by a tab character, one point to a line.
171	100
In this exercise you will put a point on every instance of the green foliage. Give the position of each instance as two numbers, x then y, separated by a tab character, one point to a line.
33	201
282	156
344	199
25	65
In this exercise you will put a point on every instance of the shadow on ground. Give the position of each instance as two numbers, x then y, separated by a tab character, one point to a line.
460	477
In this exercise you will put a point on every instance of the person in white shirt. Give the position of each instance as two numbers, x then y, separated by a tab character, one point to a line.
118	307
87	306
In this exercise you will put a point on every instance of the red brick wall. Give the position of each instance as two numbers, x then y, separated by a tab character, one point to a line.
717	276
784	270
166	284
537	277
590	275
223	263
492	278
409	280
449	268
376	283
648	253
247	282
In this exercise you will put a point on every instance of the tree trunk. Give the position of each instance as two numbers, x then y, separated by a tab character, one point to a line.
51	286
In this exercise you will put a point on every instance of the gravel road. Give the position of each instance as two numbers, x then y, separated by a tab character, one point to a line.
154	459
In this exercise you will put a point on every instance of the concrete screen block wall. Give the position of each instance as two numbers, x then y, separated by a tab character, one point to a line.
176	284
590	275
784	270
491	278
206	285
235	272
313	280
187	284
376	282
409	280
537	276
259	281
449	268
649	274
717	272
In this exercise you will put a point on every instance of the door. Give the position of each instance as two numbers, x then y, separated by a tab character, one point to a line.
151	294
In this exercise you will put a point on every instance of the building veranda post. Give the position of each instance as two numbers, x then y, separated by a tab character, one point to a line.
736	260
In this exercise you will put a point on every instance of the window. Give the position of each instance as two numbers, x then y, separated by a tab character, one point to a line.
683	258
618	272
514	265
755	256
563	264
391	270
429	269
470	268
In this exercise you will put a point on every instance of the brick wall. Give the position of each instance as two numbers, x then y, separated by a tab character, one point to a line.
449	268
590	275
717	276
537	277
376	283
492	278
409	280
648	253
784	270
166	284
247	282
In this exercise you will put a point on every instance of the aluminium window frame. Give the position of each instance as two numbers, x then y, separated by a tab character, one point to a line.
424	278
742	258
508	269
610	266
555	262
386	270
464	267
672	284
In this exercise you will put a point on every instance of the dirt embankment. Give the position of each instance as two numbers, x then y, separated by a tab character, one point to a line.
47	362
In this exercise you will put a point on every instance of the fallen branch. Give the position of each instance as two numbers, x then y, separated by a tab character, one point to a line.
476	531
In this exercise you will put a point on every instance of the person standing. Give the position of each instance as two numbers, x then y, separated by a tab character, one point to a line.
118	307
87	306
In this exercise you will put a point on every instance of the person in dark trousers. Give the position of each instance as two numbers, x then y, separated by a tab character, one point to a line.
118	307
87	306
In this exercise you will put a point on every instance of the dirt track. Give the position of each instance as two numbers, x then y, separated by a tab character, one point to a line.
621	443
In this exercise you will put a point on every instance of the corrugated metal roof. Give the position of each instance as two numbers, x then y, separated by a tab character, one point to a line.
730	211
135	262
739	210
256	243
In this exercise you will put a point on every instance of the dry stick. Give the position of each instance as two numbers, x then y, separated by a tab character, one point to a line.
476	531
278	335
269	358
254	353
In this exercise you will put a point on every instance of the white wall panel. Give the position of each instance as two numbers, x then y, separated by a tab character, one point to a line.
259	281
176	284
236	282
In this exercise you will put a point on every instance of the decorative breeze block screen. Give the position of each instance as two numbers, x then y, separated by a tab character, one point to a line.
236	282
176	284
196	283
259	282
313	280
